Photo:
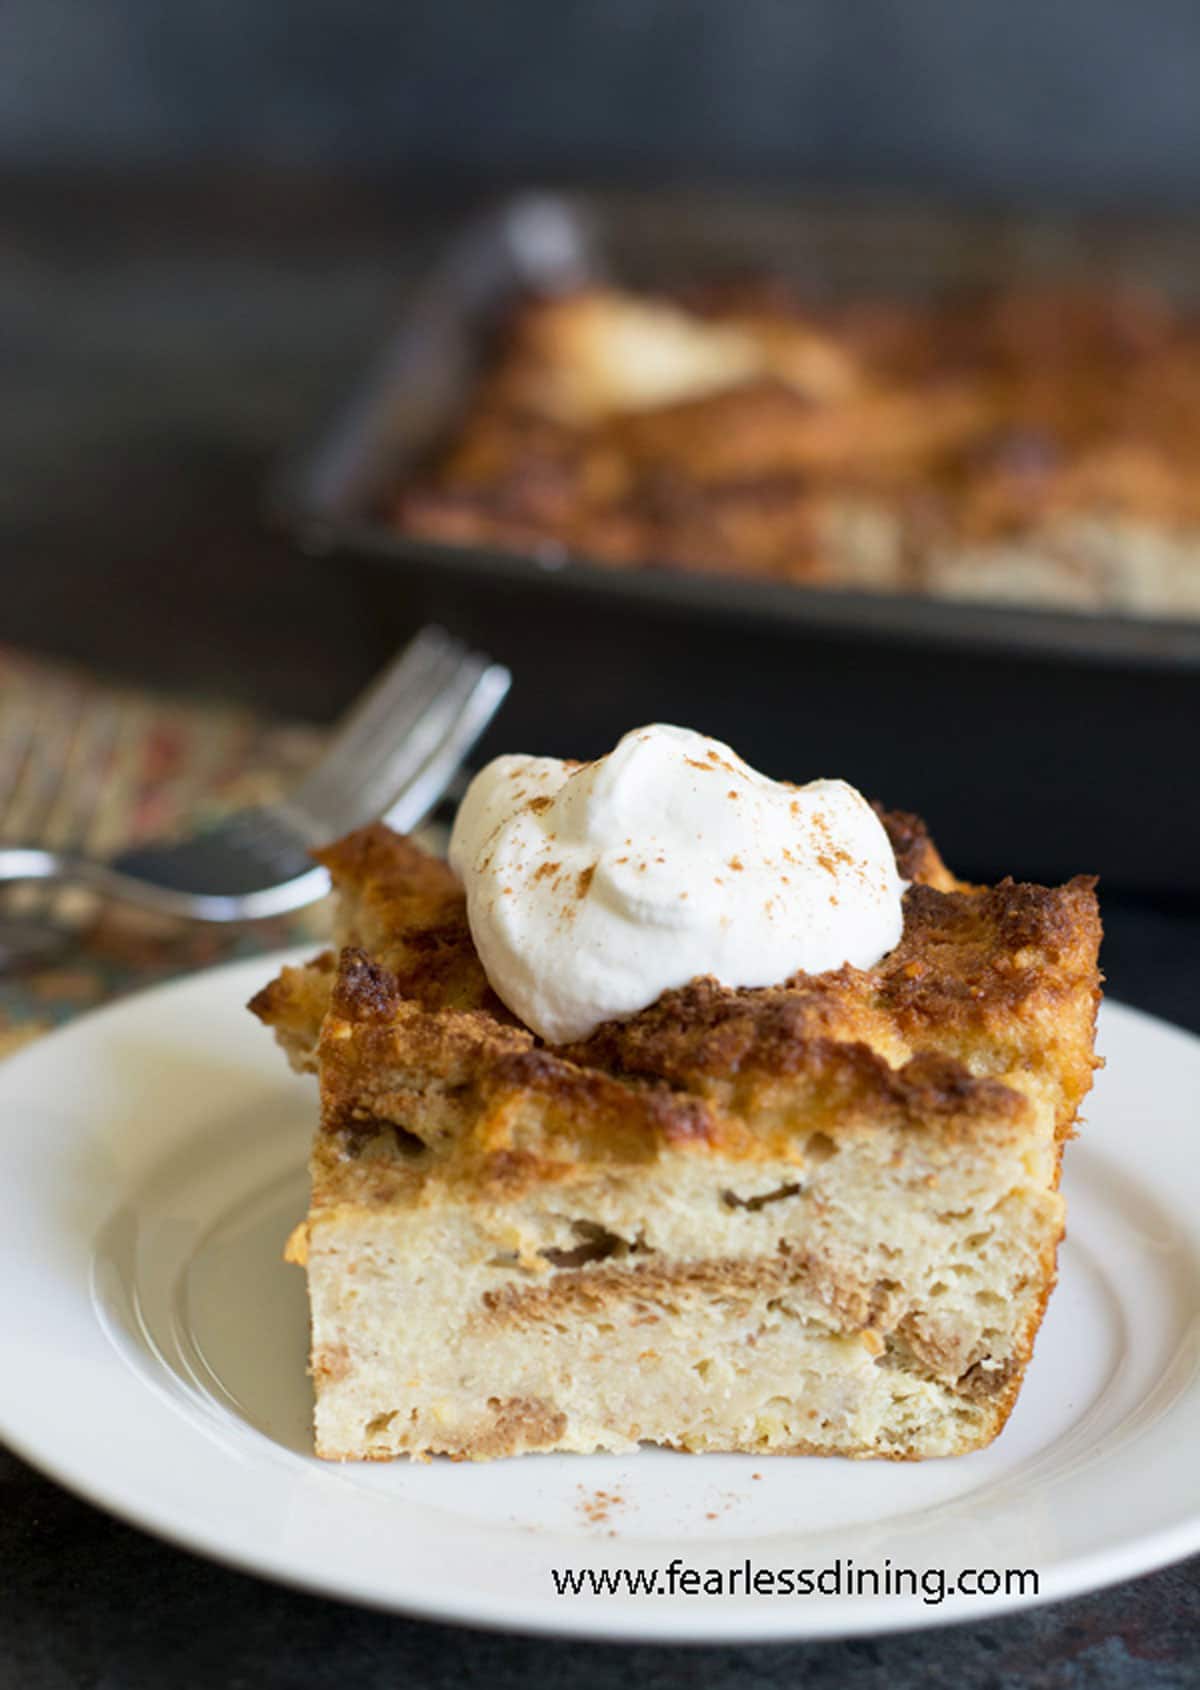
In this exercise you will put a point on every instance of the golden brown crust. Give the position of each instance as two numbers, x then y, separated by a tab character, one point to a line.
294	1005
501	1115
992	980
959	426
917	857
988	987
405	907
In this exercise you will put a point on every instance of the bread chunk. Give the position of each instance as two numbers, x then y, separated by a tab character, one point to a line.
818	1218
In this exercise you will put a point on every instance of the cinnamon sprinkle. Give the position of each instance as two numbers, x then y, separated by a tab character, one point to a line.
596	1506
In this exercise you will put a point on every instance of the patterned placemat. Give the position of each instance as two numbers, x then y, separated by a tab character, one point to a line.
93	765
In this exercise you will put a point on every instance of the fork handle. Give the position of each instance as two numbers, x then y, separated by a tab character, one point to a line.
25	863
20	862
29	862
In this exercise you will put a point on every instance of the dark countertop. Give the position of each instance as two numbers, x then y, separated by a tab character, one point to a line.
165	339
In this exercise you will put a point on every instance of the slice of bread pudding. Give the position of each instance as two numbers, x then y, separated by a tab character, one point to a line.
818	1218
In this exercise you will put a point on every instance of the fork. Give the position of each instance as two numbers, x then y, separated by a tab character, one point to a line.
392	758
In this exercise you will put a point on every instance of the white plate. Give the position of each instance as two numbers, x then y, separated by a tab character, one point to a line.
152	1162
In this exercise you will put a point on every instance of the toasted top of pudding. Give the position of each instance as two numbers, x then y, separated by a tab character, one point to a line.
981	446
981	1019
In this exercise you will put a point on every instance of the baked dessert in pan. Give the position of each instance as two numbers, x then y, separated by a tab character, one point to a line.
1033	447
814	1218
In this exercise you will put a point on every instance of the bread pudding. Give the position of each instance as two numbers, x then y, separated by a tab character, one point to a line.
818	1217
1035	447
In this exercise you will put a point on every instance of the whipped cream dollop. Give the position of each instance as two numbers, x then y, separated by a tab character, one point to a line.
593	888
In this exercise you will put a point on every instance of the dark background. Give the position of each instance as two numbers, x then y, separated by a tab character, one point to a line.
1088	99
209	213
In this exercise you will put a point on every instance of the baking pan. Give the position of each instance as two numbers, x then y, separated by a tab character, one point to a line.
1040	743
